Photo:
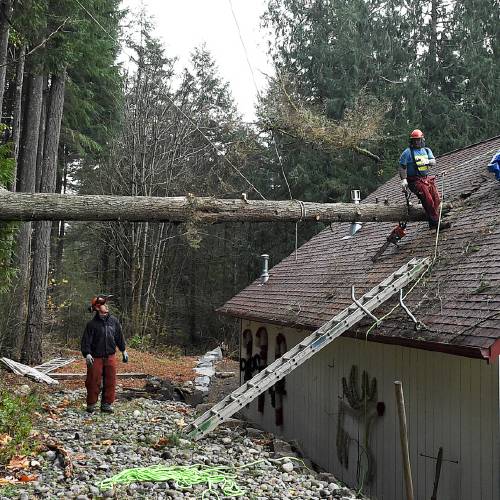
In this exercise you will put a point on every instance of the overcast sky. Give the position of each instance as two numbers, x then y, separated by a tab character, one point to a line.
185	24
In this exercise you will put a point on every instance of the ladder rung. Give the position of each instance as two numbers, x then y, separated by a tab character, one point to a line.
298	355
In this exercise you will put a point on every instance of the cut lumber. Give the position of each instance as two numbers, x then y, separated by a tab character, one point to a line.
49	206
78	376
28	371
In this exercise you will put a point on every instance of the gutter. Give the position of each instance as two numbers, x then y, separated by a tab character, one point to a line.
488	354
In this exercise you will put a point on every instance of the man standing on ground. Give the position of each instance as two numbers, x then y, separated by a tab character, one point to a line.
101	337
414	172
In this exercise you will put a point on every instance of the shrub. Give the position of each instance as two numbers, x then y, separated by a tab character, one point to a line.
16	421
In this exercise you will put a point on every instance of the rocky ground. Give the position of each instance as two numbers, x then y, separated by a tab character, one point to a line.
145	432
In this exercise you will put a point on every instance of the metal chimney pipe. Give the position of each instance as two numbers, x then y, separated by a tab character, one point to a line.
265	269
356	198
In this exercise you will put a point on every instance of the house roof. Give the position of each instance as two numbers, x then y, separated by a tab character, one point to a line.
459	301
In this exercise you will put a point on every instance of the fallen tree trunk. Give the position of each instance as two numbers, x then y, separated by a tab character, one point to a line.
48	206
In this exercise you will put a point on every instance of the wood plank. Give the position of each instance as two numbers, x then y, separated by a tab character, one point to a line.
400	374
466	459
82	376
430	404
421	465
495	410
391	448
28	371
487	431
451	476
476	420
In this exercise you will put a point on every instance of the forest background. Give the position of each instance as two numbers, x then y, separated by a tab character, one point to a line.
351	79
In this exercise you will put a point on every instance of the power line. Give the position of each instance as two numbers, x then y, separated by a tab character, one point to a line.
280	160
244	47
180	110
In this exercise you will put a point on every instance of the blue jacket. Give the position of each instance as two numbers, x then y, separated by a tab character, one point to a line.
494	165
417	167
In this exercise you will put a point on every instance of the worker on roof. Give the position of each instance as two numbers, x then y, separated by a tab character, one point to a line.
414	166
494	165
102	335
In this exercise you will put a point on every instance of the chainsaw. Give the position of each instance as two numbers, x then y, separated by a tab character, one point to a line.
398	233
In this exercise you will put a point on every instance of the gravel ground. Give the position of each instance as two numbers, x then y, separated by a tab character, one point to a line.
100	446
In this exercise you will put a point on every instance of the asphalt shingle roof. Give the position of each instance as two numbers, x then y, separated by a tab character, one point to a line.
459	301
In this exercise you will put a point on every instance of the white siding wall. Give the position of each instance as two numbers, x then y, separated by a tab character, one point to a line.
451	402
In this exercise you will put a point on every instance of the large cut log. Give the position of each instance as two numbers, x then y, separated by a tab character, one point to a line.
48	206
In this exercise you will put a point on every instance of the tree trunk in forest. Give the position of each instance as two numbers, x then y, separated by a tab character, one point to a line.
27	171
32	347
6	6
17	111
41	137
58	227
17	206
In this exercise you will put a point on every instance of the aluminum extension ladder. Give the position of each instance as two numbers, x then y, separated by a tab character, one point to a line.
307	348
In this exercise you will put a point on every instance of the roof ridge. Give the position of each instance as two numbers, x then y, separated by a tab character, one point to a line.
485	141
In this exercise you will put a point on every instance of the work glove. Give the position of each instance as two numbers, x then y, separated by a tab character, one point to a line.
89	360
404	184
125	356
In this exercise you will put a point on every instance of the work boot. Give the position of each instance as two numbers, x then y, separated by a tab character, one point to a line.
90	408
106	408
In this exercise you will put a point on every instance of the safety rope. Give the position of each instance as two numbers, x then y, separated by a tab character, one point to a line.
488	152
421	277
186	476
302	217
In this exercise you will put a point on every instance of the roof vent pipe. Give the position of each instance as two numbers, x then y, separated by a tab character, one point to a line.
356	198
265	269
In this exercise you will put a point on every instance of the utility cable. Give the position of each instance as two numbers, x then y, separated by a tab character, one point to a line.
197	128
244	47
250	67
180	110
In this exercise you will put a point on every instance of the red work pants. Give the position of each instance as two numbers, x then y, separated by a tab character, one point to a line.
103	368
426	191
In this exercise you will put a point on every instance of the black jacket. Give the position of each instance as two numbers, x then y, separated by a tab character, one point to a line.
102	336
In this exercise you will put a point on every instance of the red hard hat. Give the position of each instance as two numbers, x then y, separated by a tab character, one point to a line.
98	301
417	134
